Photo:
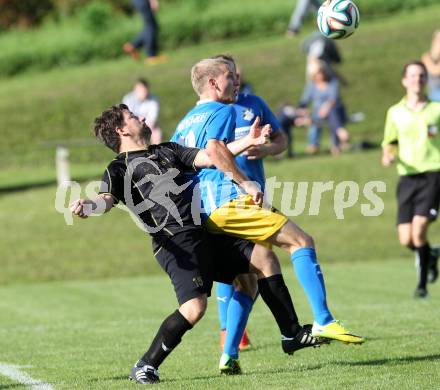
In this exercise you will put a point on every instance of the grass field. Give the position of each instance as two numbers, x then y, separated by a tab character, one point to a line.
87	334
41	247
80	303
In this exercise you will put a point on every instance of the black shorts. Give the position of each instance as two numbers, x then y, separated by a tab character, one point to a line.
418	195
194	259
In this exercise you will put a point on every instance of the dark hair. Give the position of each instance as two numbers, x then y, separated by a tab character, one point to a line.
144	82
415	62
106	125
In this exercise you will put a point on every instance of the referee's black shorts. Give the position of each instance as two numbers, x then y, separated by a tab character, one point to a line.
418	195
193	259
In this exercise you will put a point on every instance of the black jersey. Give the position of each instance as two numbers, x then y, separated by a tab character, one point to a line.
154	184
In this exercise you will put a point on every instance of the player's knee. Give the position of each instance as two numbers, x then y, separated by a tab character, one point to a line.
264	262
246	284
305	241
406	242
418	240
194	309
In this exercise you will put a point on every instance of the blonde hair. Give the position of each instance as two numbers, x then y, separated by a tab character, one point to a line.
206	69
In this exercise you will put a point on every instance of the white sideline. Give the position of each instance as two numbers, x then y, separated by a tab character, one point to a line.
13	372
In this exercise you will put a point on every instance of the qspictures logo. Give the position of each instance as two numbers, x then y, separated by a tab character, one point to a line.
296	198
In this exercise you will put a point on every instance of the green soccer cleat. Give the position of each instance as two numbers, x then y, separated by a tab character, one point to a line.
228	365
335	331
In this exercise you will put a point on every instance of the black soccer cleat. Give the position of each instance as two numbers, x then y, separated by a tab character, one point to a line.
303	339
421	293
144	374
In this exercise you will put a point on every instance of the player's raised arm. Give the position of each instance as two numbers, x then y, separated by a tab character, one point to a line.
83	208
258	136
277	145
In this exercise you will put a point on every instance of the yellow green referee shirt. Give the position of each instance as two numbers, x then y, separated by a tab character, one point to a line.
417	135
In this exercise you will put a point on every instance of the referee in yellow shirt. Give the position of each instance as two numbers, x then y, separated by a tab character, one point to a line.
412	138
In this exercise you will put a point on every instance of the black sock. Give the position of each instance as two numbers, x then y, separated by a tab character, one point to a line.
424	253
167	338
275	294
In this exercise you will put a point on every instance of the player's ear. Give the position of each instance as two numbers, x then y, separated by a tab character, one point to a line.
212	82
403	82
120	131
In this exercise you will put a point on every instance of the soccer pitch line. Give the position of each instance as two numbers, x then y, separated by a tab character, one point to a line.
13	372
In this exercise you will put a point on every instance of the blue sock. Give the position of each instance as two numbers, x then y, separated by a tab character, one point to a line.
224	294
239	308
310	277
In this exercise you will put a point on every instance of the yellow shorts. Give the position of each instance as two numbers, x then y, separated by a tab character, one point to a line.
242	218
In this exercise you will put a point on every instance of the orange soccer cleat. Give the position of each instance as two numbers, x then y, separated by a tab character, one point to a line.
245	343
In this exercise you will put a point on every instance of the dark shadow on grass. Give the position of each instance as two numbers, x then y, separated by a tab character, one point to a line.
11	386
401	360
248	372
39	184
27	186
214	374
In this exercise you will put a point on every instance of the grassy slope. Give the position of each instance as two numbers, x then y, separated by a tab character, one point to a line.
86	335
61	104
40	246
84	91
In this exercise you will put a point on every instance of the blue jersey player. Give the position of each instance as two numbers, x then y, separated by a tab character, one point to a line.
247	108
234	208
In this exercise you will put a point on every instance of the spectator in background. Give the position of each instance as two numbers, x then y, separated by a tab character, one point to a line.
298	15
143	104
431	60
317	47
322	92
148	37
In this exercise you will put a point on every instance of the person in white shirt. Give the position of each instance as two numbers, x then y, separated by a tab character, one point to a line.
143	104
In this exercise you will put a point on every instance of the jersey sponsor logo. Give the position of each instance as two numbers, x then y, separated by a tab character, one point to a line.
248	114
198	118
241	132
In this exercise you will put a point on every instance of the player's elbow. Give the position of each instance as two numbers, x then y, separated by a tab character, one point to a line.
214	150
281	141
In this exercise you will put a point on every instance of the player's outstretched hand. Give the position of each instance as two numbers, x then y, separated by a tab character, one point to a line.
82	207
259	134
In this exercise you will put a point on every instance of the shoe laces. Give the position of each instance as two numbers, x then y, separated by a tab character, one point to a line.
149	370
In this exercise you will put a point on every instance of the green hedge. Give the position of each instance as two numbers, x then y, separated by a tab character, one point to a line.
79	40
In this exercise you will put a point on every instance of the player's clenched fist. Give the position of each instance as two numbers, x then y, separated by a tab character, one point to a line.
82	207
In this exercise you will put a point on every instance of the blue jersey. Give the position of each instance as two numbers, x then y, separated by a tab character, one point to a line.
209	120
247	108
